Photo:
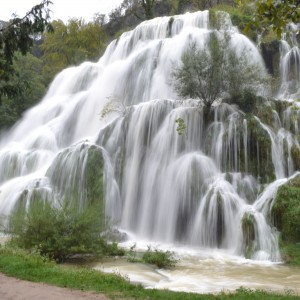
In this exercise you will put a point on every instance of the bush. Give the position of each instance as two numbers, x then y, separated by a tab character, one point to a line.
162	259
59	232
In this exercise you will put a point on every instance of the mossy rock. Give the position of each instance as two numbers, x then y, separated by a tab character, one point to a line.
247	101
281	105
265	114
95	175
77	175
248	229
170	24
271	54
238	18
295	153
260	152
286	210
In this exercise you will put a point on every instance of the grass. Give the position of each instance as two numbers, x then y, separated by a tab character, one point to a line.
33	267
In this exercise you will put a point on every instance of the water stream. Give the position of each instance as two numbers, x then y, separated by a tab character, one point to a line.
205	271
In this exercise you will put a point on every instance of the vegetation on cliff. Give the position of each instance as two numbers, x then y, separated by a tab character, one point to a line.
286	216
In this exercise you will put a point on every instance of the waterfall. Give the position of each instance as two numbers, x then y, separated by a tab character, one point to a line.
290	65
200	188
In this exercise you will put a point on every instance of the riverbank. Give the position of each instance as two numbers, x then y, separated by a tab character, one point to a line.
34	268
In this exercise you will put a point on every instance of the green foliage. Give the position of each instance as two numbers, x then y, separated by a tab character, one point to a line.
59	232
174	6
216	71
26	92
286	215
290	252
238	17
159	258
180	126
275	14
17	35
162	259
72	43
28	66
132	255
148	6
286	210
8	114
247	101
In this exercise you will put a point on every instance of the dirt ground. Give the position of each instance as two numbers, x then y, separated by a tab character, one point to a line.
15	289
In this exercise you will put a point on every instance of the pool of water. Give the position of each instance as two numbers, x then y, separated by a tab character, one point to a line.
207	271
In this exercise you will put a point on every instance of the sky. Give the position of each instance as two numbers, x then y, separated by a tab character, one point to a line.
61	9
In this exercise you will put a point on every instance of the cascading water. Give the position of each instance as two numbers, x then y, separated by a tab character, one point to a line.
200	188
290	65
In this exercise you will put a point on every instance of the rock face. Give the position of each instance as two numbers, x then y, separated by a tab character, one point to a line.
271	56
77	175
286	210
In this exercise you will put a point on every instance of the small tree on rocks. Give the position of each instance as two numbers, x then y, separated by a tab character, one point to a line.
216	71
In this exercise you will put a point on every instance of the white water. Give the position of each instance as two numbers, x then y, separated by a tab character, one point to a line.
209	274
192	189
290	65
205	271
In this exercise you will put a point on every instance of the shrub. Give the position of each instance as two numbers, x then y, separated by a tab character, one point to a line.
162	259
59	231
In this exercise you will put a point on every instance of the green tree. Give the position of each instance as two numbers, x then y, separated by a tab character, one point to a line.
142	9
28	92
148	6
275	14
214	72
28	66
72	43
17	35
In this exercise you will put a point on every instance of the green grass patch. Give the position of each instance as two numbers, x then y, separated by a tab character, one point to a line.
36	268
